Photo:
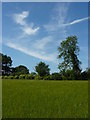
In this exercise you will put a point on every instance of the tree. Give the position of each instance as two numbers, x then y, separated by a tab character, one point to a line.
68	50
42	69
84	75
0	64
56	76
88	73
33	74
19	70
68	75
6	64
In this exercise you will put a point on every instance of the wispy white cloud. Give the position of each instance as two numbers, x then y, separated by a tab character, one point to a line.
59	17
60	21
29	31
27	28
41	44
19	18
38	46
31	52
76	21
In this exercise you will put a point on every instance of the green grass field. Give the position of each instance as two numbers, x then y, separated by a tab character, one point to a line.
45	99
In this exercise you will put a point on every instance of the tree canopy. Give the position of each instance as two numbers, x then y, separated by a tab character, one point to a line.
68	50
42	69
6	64
19	70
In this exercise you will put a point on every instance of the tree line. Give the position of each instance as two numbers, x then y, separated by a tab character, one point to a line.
69	67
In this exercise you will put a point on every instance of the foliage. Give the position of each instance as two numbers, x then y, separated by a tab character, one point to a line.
29	76
68	50
56	76
64	77
42	69
88	73
6	64
33	74
21	76
5	77
69	67
48	77
19	70
37	77
0	64
16	77
68	75
10	77
84	75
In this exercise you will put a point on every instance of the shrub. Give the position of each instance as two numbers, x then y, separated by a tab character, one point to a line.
64	78
56	76
33	73
68	74
16	77
29	76
22	77
47	77
0	77
5	77
10	77
37	77
84	75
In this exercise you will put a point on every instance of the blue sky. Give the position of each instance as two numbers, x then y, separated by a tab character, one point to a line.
32	32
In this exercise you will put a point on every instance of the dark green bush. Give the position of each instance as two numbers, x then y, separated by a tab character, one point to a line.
0	77
29	76
22	77
5	77
33	74
64	78
10	77
56	76
47	77
67	75
37	77
16	77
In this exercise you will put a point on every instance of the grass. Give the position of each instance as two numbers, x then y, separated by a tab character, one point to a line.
45	99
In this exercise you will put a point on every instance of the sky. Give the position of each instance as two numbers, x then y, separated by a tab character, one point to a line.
32	32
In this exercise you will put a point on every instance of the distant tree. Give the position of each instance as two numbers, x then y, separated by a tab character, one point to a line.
56	76
48	77
84	75
33	74
42	69
6	64
68	50
20	70
13	71
68	74
88	73
0	64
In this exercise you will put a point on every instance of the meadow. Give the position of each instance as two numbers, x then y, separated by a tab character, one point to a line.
44	99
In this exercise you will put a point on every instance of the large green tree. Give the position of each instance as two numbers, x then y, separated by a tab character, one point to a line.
42	69
68	51
6	64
